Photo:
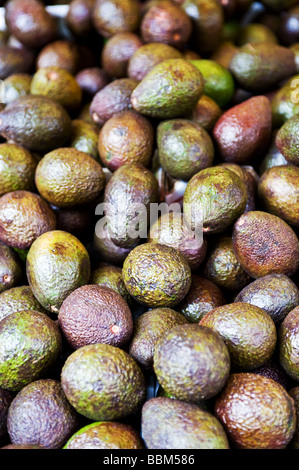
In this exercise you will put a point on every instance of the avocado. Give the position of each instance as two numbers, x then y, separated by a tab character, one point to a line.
10	268
57	264
171	230
30	23
24	216
67	177
265	244
30	343
285	102
175	29
95	314
112	99
191	362
170	89
156	275
111	276
274	293
79	17
117	52
269	412
273	157
127	199
256	32
148	329
84	137
62	53
40	414
36	123
207	19
288	343
287	140
105	435
294	393
244	130
248	332
102	382
91	80
127	137
16	85
173	424
214	198
147	56
226	50
203	296
110	17
106	249
184	148
13	60
59	85
259	66
222	267
18	299
6	398
206	113
273	370
250	178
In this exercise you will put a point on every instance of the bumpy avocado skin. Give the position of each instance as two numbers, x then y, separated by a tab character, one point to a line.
192	362
294	393
288	344
256	412
17	168
148	329
156	275
84	137
10	268
35	122
285	102
171	89
287	140
18	299
247	330
275	293
103	382
111	276
173	424
105	435
41	415
30	345
57	263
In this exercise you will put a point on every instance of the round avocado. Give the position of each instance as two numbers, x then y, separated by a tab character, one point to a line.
41	415
103	382
18	299
156	275
105	435
191	362
30	343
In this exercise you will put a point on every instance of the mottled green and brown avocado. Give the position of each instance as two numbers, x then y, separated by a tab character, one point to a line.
84	137
30	344
265	244
256	412
148	329
156	275
288	344
95	314
10	268
248	332
105	435
18	299
173	424
287	140
16	85
277	294
103	382
111	276
17	168
40	414
57	263
214	198
206	113
191	362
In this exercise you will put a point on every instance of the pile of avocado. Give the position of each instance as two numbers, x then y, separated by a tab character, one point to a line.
122	327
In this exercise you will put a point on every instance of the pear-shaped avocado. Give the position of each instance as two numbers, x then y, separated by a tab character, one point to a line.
57	263
35	122
40	414
171	89
105	435
270	412
173	424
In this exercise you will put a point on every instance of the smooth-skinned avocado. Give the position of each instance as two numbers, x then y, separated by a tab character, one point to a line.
191	362
57	263
173	424
156	275
256	412
103	382
40	414
105	435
